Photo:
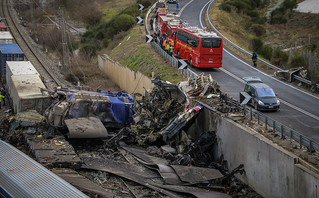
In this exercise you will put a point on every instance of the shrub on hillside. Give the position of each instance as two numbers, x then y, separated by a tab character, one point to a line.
89	49
123	23
256	44
298	61
145	3
266	52
225	6
258	29
279	57
106	42
282	14
92	16
240	5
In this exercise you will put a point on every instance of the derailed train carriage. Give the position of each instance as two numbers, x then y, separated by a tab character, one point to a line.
94	111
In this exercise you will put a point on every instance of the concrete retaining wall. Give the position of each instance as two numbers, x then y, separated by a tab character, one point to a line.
270	170
128	80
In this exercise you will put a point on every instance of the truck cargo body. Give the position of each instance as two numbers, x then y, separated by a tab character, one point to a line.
9	52
6	37
26	93
18	68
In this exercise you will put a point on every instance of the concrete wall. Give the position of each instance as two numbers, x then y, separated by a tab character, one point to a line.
270	170
128	80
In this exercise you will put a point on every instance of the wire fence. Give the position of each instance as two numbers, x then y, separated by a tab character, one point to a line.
243	52
269	123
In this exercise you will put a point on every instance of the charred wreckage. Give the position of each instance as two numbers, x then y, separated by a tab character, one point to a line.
152	129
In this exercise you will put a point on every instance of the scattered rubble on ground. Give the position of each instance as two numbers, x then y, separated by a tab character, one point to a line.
152	156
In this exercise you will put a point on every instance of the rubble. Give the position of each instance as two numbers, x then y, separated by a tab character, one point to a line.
201	86
164	102
54	152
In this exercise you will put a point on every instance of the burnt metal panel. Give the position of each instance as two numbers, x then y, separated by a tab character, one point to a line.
90	127
193	174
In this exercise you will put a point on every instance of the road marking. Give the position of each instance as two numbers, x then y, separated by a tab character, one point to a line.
180	12
272	76
200	14
281	100
241	80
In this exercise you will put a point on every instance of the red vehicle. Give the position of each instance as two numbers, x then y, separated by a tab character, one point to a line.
164	20
200	48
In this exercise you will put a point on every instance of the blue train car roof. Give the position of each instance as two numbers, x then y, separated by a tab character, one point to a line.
10	49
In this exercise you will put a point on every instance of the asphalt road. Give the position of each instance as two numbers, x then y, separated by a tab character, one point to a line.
299	108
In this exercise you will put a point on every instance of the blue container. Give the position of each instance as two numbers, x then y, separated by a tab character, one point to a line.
9	52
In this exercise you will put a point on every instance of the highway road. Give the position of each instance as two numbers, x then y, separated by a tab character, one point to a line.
299	108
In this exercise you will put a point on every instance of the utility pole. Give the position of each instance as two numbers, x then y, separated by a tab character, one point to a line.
64	43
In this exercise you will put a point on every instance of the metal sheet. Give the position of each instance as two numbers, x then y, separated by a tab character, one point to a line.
90	127
127	171
169	175
21	176
144	157
196	174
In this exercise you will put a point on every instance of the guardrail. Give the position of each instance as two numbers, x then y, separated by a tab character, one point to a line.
234	104
269	123
248	54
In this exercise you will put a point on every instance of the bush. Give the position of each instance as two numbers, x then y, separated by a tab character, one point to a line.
298	61
225	6
100	35
132	11
252	13
240	5
266	51
259	30
256	44
123	23
145	3
106	42
89	49
279	57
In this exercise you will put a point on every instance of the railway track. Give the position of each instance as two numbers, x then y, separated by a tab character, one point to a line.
49	73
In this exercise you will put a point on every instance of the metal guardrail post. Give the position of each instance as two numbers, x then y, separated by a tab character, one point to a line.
258	118
274	125
300	139
266	122
291	135
282	132
310	147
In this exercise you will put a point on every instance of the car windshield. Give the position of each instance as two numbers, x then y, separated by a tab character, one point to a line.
265	92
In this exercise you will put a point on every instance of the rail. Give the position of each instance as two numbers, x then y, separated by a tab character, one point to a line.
274	125
240	50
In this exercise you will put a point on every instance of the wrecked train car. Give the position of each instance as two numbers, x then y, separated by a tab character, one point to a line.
113	110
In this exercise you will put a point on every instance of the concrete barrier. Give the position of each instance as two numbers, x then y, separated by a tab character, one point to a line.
269	169
128	80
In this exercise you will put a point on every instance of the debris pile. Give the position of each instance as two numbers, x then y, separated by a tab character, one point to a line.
49	149
156	109
202	86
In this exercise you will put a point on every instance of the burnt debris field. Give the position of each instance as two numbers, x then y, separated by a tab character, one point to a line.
110	144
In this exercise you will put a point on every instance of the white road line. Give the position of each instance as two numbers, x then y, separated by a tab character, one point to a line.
281	100
272	76
180	12
200	14
241	80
